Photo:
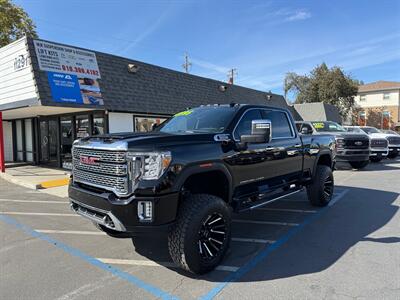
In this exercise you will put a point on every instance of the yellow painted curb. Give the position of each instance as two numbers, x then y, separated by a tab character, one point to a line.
53	183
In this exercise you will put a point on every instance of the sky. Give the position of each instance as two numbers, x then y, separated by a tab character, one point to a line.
263	40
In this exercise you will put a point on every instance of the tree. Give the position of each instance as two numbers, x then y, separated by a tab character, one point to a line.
14	23
326	85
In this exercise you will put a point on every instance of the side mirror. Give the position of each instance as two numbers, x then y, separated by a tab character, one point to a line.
261	132
305	130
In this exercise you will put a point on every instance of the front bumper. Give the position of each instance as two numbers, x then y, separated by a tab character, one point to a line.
121	215
347	155
394	148
379	151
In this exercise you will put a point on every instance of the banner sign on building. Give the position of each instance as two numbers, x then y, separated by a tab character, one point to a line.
71	88
62	59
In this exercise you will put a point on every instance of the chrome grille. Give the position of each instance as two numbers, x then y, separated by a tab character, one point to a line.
105	169
356	143
103	155
117	184
379	143
394	140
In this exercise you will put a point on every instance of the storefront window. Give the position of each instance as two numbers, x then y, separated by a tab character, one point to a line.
82	126
98	124
66	142
144	124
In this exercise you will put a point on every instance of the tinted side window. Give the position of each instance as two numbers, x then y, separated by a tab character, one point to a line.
280	123
309	128
244	125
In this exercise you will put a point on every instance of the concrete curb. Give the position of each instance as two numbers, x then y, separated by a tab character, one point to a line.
14	180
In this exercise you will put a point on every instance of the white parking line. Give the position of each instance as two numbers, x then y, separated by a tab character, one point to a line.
261	241
288	210
77	232
34	201
18	213
149	263
265	222
71	232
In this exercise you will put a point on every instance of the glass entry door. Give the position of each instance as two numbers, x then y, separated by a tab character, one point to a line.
49	142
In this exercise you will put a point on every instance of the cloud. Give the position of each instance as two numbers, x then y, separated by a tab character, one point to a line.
298	15
209	66
148	31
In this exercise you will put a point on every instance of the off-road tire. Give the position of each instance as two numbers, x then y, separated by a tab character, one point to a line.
317	191
184	236
359	164
376	159
393	154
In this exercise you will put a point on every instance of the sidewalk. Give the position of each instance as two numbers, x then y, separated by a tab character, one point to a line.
48	180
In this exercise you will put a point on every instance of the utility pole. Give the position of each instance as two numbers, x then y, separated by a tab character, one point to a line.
187	64
231	74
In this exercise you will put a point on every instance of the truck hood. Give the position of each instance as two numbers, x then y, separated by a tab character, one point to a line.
152	139
381	135
346	134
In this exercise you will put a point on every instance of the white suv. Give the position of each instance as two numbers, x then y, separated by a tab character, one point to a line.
379	145
393	139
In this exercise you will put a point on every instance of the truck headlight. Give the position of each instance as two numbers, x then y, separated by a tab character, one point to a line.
152	164
340	143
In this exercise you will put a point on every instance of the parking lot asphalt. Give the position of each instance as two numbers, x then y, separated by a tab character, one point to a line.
285	250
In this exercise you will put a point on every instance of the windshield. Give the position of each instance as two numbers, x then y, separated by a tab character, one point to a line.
212	119
328	127
370	130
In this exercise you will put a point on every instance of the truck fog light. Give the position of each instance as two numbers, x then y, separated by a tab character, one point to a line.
145	211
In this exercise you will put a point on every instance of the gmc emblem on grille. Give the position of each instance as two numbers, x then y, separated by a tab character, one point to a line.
89	160
358	143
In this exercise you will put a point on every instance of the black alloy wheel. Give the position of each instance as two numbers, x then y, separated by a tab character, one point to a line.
212	235
328	187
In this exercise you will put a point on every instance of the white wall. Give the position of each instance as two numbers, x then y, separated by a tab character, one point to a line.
16	78
120	122
8	142
375	99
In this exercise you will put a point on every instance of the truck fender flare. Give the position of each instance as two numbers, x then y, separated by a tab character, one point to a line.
204	168
321	153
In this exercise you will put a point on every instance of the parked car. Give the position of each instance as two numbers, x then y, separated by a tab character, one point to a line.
188	175
379	146
351	147
389	131
393	139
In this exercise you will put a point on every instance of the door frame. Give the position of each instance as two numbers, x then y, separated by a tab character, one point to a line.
57	162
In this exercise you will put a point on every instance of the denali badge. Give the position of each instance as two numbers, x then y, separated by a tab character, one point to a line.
358	143
89	160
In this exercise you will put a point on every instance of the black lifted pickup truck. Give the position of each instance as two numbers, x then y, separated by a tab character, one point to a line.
186	177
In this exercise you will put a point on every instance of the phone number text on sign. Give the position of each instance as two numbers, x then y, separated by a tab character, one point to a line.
59	58
80	70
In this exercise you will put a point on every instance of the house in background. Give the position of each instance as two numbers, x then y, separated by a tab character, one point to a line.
316	111
378	105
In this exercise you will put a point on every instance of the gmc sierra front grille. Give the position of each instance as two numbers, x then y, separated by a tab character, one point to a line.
113	183
102	155
105	169
379	143
394	140
356	143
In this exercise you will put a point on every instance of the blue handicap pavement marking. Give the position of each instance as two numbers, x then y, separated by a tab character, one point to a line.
93	261
269	249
